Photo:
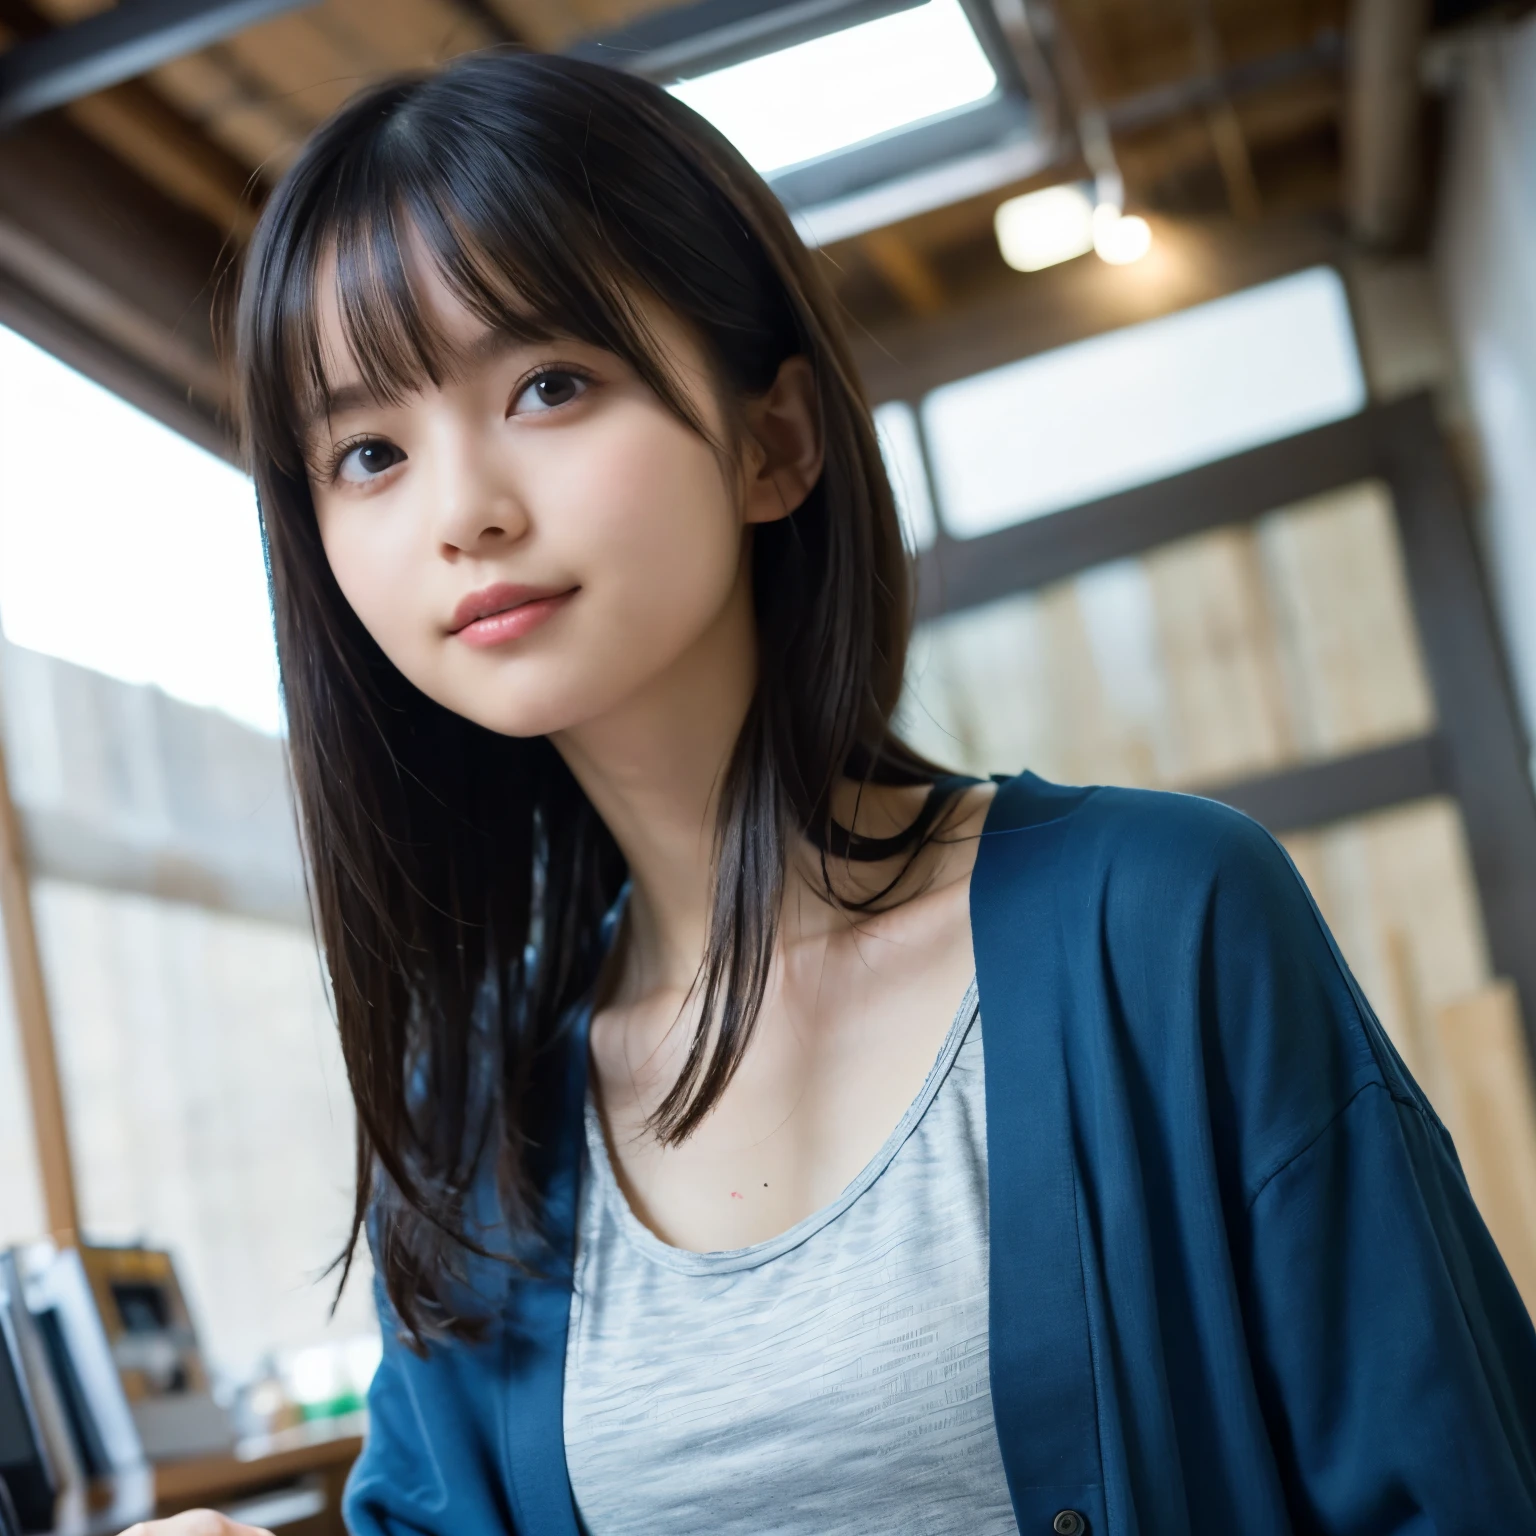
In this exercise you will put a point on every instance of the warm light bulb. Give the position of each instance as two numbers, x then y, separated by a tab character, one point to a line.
1120	238
1042	228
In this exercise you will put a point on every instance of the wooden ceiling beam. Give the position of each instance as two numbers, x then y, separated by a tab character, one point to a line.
1382	158
1221	118
121	43
1265	124
490	20
904	270
98	263
136	123
172	152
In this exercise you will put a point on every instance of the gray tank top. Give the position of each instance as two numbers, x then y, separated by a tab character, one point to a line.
832	1381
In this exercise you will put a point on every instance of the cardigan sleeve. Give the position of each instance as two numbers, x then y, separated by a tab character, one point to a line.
396	1487
1394	1355
1394	1358
432	1463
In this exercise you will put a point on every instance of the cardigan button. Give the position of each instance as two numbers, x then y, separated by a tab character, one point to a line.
1069	1523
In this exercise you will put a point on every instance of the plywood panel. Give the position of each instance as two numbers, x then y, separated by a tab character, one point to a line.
1334	580
1491	1114
975	694
1226	689
1233	653
1397	890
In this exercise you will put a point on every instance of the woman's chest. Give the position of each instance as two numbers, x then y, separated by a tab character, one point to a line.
842	1046
831	1378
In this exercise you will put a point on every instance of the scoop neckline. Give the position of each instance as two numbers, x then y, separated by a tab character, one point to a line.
718	1261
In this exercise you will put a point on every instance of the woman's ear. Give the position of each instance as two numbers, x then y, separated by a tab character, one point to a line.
784	448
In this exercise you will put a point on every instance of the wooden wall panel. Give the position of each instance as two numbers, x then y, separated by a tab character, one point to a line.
1398	892
1222	656
1490	1109
1334	580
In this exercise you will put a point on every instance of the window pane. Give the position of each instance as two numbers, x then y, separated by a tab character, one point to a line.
817	97
164	580
896	426
1141	403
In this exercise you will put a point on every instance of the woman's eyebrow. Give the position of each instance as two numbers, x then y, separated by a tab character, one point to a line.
496	341
493	342
344	397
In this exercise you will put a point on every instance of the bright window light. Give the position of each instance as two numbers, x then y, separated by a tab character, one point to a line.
824	95
1144	402
896	427
1043	228
125	547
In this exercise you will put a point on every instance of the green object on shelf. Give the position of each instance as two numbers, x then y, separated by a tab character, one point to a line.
332	1407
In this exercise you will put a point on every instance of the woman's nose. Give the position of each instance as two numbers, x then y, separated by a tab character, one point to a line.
476	503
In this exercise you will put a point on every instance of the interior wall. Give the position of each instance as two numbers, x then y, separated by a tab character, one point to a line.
1485	260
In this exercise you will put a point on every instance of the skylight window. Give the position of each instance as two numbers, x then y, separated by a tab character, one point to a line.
1144	402
825	95
126	548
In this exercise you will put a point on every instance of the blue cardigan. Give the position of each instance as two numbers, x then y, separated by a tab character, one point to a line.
1237	1282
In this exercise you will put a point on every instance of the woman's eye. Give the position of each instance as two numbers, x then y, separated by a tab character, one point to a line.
556	387
367	461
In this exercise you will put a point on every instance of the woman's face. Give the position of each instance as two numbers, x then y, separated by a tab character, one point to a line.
542	538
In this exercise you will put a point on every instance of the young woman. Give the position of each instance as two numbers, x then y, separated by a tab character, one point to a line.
760	1130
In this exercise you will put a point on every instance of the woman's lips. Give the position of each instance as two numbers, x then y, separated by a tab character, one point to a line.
505	612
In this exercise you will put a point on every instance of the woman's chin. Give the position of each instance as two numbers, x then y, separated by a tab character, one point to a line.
520	717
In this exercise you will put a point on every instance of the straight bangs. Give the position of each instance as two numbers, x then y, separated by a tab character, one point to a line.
488	238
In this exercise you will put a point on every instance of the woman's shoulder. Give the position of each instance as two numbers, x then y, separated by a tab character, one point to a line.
1145	856
1167	824
1178	931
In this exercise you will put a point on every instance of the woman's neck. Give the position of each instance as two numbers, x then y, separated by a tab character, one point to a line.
654	769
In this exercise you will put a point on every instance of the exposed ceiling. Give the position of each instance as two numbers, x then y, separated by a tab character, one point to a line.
116	210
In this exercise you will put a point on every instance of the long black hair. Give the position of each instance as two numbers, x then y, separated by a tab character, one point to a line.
459	877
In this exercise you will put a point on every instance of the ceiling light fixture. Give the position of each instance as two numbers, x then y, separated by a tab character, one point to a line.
1043	228
1120	238
818	97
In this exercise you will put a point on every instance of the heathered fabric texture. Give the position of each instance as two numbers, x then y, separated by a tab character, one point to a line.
832	1380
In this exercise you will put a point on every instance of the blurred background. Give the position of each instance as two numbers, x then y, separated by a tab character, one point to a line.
1202	341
